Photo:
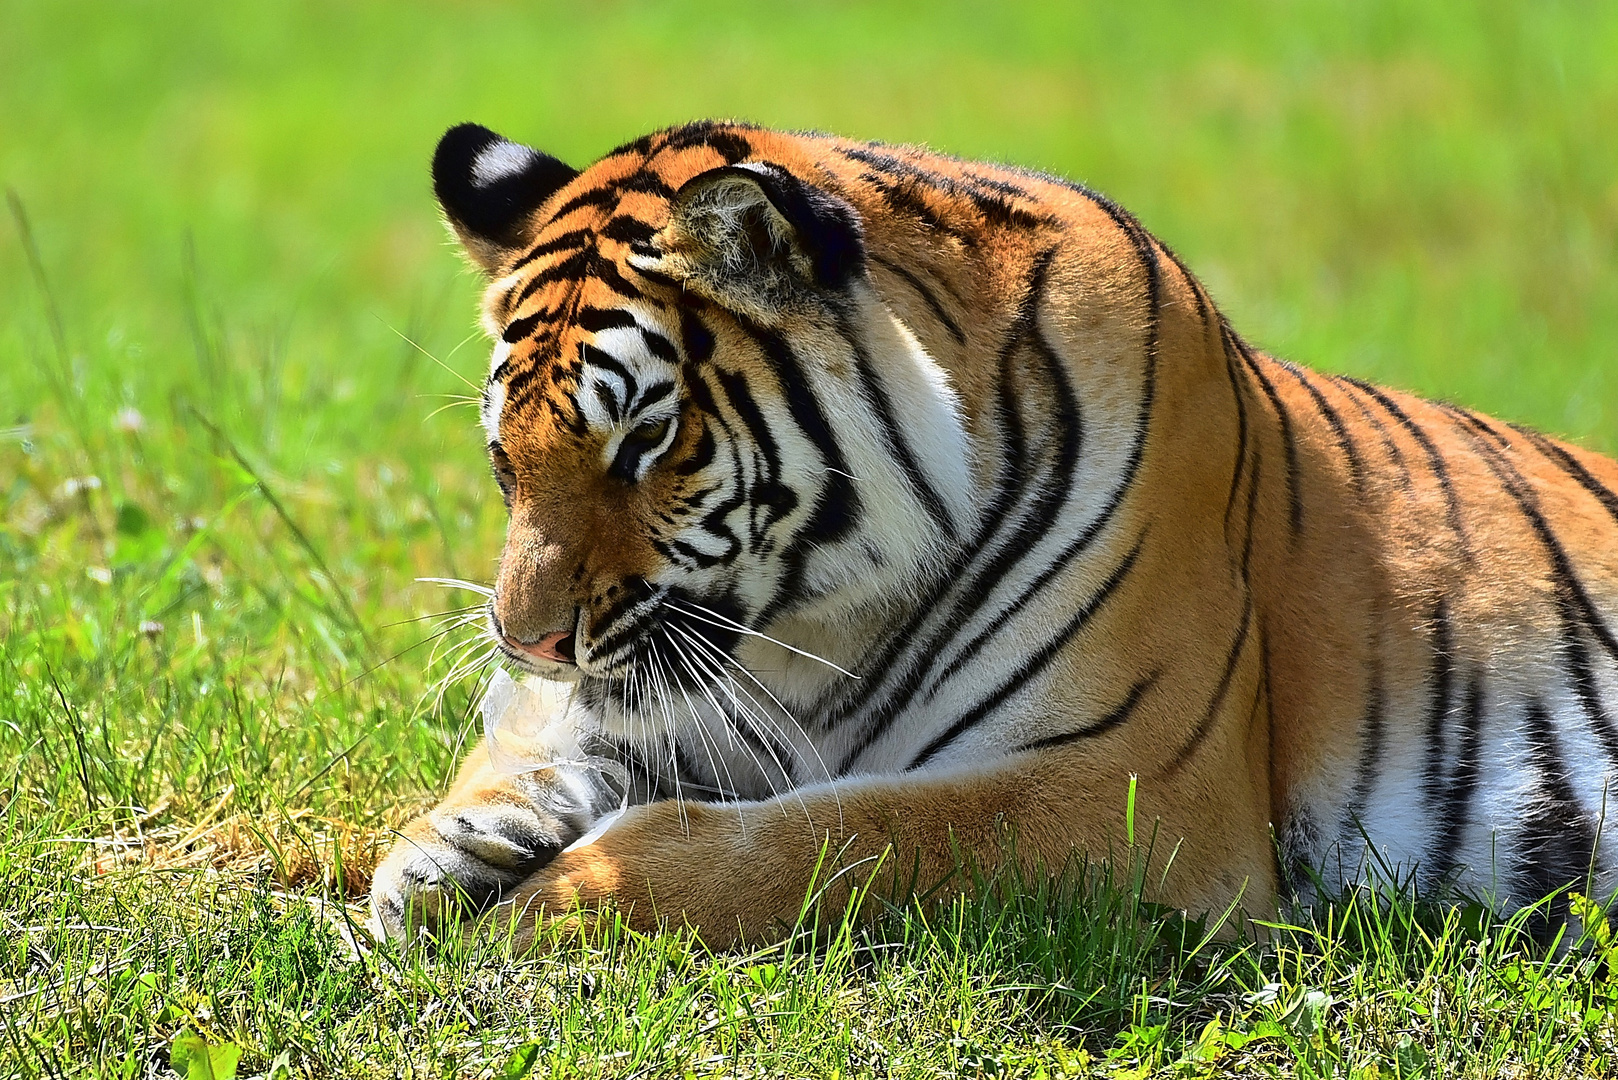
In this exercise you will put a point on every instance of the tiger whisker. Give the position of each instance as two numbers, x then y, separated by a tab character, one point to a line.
726	623
758	723
460	404
708	653
708	750
660	686
411	342
457	583
479	608
473	640
763	713
460	671
700	678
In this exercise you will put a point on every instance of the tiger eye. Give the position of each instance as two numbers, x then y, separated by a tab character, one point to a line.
651	434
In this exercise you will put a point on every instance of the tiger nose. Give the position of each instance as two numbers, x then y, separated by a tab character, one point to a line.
556	647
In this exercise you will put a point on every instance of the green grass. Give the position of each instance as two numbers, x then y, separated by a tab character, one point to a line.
235	249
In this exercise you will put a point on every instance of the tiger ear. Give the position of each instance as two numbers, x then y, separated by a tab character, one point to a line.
755	235
489	188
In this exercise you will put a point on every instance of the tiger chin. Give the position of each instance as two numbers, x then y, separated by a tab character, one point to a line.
869	503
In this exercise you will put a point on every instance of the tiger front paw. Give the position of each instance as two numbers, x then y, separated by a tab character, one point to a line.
462	858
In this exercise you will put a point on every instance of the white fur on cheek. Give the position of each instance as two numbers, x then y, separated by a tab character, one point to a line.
502	351
494	399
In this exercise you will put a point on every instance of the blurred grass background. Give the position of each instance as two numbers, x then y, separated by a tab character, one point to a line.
1425	193
223	462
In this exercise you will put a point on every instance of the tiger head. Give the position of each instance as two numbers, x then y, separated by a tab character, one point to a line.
703	420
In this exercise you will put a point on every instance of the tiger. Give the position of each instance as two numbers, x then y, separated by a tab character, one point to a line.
866	503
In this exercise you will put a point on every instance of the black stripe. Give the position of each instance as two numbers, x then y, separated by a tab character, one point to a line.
766	493
1435	460
1239	468
1014	475
725	139
1441	678
903	171
695	336
1582	674
739	396
1455	816
927	295
608	401
837	509
1562	567
701	456
652	395
572	268
518	329
601	196
905	197
716	521
995	184
1345	442
872	154
1288	442
1205	725
660	346
567	241
1030	669
1475	421
1406	482
1570	465
594	357
628	229
1373	736
1205	311
1113	719
922	658
639	147
644	183
898	446
1557	841
595	319
606	272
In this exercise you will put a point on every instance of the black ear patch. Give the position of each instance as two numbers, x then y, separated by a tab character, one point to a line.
489	188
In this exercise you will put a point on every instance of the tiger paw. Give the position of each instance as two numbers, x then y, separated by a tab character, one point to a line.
463	857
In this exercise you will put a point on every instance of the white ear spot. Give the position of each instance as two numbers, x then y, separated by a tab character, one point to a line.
498	161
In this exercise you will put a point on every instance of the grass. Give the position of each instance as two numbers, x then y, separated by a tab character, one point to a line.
231	337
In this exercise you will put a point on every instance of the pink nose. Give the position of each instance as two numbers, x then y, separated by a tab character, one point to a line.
557	647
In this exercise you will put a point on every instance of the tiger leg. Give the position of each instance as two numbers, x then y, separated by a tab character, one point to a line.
492	831
741	873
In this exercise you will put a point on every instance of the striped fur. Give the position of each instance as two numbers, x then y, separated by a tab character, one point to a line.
976	440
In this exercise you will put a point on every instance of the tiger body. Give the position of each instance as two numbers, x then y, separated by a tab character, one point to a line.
1032	518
